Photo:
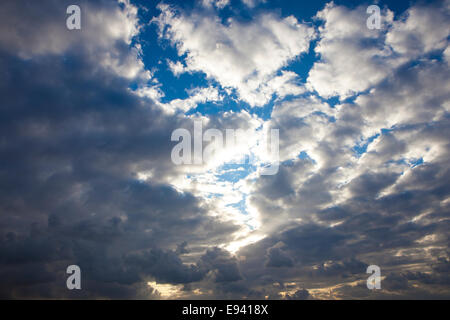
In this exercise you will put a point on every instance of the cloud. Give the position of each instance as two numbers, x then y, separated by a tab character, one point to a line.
82	136
219	4
196	96
107	31
352	57
337	206
277	258
223	266
86	176
242	56
165	267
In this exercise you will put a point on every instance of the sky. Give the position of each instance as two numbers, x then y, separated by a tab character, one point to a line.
87	175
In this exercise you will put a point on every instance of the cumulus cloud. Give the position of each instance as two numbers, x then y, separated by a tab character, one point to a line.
423	29
32	29
366	177
353	58
250	54
277	258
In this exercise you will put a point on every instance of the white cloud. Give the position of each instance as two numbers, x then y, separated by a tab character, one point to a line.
354	58
243	56
106	35
424	29
196	96
177	68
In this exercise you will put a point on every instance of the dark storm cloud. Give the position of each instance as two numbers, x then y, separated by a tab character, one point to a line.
277	258
73	138
166	267
301	294
343	268
370	183
224	267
